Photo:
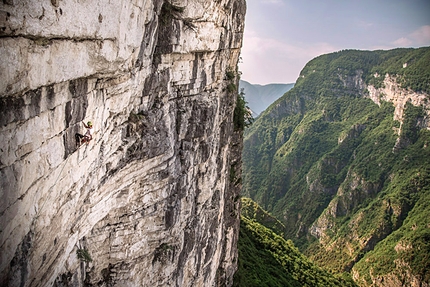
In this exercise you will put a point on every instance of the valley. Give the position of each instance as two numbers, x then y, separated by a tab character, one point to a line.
342	161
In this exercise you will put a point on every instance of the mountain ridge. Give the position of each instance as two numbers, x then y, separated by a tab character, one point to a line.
329	156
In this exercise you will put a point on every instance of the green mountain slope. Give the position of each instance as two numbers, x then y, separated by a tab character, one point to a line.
267	259
251	210
343	168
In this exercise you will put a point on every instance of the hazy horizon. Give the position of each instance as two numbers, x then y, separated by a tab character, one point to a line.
281	36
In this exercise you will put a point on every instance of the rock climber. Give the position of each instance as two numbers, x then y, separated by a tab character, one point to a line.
80	139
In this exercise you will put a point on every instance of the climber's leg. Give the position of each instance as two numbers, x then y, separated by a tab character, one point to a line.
86	140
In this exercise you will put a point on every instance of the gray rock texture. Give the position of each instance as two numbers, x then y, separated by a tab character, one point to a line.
152	200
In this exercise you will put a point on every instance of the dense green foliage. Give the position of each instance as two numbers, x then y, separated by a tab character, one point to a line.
257	266
83	255
267	259
330	164
251	210
409	66
242	116
410	244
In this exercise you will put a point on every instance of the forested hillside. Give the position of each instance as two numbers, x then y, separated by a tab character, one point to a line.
266	259
342	160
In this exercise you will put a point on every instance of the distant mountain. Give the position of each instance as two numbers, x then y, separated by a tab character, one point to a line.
259	97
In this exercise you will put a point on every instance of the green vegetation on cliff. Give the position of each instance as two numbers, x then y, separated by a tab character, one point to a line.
406	251
267	259
251	210
344	177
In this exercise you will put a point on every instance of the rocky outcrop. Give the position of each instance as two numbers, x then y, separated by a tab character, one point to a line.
149	201
355	189
393	279
393	92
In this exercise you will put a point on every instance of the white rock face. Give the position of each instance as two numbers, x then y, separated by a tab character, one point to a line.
394	93
150	198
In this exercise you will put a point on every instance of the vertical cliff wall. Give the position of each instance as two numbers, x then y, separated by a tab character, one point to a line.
150	201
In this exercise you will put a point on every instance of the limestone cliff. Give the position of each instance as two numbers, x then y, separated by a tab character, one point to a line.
393	92
149	202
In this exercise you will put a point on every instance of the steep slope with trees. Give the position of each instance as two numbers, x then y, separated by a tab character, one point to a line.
267	259
342	160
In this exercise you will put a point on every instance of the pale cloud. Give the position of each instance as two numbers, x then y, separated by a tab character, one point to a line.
420	37
277	2
285	61
287	34
365	24
253	44
403	42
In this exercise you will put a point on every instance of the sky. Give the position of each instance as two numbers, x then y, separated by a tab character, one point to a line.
281	36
